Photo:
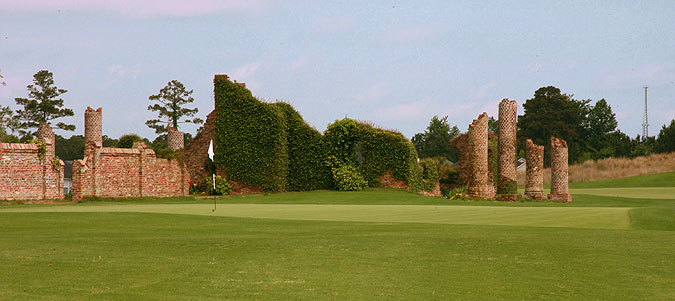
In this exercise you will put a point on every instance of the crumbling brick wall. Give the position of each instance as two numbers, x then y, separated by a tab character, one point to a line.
507	187
534	183
195	154
125	172
559	171
479	183
25	175
461	143
175	139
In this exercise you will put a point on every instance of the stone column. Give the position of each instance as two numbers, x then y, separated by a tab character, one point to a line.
534	183
93	126
507	186
174	139
478	159
559	176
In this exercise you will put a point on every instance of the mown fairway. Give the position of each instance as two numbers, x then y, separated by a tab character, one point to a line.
328	245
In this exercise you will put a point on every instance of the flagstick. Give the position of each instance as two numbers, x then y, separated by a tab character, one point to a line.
214	193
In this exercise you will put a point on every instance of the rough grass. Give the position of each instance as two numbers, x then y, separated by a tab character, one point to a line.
611	168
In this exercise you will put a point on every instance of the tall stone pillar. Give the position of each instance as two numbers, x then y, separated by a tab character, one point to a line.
507	186
93	126
174	138
534	183
559	171
478	159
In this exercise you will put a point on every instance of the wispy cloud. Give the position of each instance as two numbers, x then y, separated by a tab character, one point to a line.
410	34
246	74
139	9
534	67
374	92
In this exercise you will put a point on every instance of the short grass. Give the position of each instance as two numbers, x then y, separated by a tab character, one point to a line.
375	244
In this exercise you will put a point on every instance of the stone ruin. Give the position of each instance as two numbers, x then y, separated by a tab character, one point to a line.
559	171
475	170
534	184
125	172
507	187
175	139
479	182
29	173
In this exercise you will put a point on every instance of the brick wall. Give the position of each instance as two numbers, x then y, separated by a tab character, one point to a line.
26	176
559	171
534	183
124	172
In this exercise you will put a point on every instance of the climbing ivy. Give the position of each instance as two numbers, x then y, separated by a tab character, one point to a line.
270	145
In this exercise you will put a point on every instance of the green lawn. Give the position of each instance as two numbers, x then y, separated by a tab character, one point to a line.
380	243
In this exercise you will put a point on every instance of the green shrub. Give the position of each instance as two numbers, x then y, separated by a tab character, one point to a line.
127	141
347	178
165	153
448	174
453	194
206	185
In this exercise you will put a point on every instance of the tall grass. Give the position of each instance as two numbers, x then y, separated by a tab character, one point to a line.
611	168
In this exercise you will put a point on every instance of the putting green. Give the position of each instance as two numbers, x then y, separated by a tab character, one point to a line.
574	217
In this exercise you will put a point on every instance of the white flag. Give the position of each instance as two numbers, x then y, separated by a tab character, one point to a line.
211	150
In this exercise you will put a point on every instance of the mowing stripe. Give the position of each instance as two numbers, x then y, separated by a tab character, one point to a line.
662	193
574	217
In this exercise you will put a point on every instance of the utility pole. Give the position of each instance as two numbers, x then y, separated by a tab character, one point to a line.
645	124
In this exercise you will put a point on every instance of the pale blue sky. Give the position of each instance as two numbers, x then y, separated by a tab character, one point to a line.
395	63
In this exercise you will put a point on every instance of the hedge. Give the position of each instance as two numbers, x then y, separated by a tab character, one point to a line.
250	137
270	145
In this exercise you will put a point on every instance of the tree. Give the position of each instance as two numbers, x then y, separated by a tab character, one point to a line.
666	139
42	105
493	125
551	113
171	100
435	141
2	82
7	123
71	148
599	123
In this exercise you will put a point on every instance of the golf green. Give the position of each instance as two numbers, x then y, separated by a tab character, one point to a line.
574	217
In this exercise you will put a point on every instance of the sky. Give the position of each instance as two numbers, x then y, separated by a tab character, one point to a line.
394	63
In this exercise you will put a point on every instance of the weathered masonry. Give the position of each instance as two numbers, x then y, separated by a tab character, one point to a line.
480	184
125	172
534	185
29	171
507	187
559	171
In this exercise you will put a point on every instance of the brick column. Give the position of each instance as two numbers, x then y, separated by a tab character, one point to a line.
507	186
93	126
534	183
478	159
174	139
559	176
